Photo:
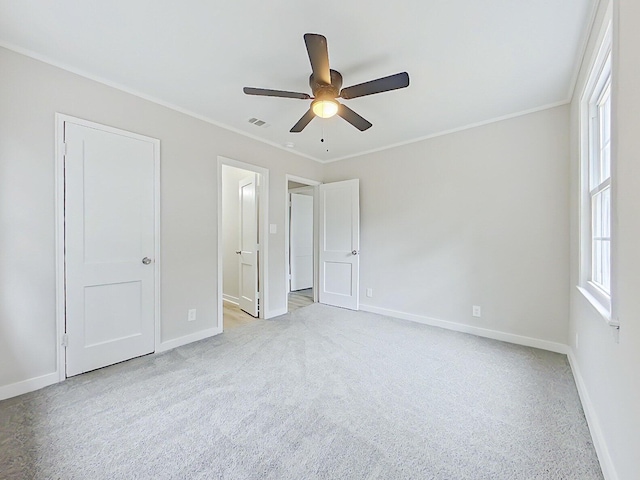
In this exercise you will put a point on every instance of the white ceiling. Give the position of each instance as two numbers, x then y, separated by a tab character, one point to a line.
470	61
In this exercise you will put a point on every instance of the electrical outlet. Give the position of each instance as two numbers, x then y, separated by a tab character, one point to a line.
476	311
191	316
369	292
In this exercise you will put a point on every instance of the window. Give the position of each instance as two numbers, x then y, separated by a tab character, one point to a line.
600	188
595	252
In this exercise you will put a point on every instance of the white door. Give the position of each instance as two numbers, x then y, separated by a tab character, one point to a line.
301	240
340	244
248	252
110	181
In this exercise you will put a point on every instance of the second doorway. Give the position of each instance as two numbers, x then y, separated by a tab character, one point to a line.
301	240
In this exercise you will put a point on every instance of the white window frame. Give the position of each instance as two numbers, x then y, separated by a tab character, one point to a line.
599	81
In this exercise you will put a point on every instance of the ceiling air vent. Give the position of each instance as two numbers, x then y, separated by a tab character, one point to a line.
257	122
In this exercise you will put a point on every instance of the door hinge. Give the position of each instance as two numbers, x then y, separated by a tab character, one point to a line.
64	149
65	340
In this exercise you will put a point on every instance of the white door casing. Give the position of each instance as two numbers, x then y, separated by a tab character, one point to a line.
248	248
111	245
340	244
301	238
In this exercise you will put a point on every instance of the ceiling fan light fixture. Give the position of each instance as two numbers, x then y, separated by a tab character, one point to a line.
326	87
324	108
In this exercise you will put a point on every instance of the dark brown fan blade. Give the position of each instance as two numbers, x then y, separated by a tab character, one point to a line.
392	82
303	122
353	118
265	92
318	56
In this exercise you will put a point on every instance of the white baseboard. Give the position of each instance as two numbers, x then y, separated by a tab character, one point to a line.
193	337
479	331
230	299
29	385
599	443
276	313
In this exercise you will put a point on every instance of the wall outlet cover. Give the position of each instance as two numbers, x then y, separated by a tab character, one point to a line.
191	316
476	311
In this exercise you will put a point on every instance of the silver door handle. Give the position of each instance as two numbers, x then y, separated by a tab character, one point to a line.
354	252
238	252
146	260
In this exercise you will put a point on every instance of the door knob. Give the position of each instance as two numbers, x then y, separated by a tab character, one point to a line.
146	260
354	252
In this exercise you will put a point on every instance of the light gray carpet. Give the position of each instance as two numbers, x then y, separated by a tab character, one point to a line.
319	393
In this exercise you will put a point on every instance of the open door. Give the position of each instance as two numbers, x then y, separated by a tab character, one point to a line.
248	252
340	244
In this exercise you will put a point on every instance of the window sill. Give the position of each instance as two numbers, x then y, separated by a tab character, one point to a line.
601	309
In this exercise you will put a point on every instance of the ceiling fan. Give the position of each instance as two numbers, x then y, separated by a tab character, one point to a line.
326	86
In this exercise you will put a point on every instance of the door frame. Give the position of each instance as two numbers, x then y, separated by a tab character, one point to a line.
60	261
263	233
315	184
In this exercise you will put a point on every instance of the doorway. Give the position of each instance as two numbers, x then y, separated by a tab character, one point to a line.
301	242
242	242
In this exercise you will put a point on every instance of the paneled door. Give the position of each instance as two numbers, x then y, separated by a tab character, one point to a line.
340	243
248	251
110	245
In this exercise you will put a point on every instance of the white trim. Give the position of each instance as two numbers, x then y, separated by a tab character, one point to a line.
606	463
60	120
478	331
59	253
184	340
586	36
95	78
277	313
157	200
453	130
598	307
287	227
230	299
263	228
29	385
305	181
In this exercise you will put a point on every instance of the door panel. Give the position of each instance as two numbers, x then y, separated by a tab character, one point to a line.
109	229
248	252
340	244
301	233
114	310
339	227
338	278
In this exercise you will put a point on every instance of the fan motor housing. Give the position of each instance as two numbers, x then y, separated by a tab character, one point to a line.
320	89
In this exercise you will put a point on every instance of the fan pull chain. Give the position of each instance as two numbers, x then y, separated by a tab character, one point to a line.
322	138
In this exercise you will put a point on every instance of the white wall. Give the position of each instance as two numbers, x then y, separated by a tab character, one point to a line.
478	217
30	94
231	177
606	371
